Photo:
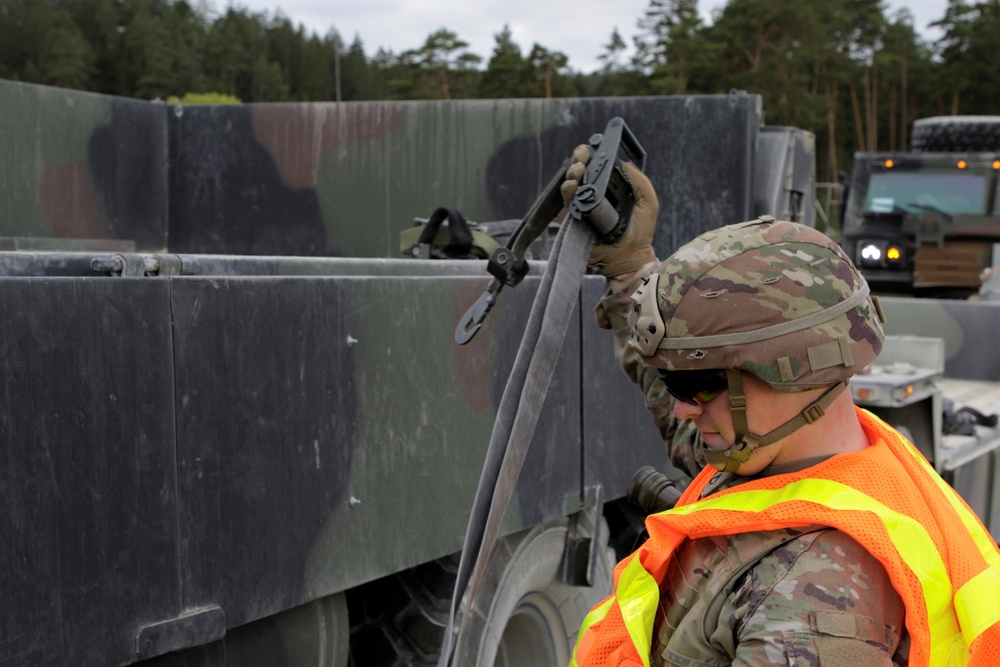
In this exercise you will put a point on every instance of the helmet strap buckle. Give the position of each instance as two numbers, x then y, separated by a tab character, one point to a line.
742	450
813	412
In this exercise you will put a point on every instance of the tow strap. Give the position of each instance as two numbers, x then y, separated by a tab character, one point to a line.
601	207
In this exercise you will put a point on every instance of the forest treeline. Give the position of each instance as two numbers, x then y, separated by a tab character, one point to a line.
847	70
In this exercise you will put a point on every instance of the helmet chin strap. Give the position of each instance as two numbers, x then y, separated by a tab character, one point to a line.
746	442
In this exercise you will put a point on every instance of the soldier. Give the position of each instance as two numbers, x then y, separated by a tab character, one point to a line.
817	535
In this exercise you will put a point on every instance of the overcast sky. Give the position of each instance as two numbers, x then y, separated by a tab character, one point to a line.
579	28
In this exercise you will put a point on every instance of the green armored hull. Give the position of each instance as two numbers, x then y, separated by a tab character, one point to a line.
239	431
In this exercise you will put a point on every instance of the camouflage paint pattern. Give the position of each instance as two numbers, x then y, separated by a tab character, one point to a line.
357	174
762	273
343	179
82	166
242	439
304	425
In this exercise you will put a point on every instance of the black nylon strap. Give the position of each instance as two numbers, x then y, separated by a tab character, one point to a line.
517	415
458	227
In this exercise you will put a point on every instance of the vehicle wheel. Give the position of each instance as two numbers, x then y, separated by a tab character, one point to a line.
957	134
522	615
316	633
399	620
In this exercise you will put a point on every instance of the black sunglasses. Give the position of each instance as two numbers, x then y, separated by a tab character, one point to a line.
694	387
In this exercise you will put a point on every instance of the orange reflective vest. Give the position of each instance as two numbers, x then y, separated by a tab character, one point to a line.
939	557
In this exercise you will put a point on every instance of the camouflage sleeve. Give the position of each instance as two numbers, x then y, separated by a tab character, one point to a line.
819	600
680	438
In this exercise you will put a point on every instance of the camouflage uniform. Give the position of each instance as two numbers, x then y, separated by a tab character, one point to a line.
802	596
682	439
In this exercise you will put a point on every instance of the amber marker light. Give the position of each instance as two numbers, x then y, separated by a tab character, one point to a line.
961	164
864	394
889	164
892	253
996	164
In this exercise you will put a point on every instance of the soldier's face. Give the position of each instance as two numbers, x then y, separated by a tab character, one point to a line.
712	419
766	410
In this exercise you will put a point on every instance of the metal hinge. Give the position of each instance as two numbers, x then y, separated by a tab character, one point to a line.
583	537
134	265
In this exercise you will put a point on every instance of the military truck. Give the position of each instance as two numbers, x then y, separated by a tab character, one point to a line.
237	430
925	221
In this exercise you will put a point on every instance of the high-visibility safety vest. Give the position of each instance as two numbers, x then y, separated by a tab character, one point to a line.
939	557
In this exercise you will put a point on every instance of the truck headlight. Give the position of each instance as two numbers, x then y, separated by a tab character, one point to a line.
878	254
871	253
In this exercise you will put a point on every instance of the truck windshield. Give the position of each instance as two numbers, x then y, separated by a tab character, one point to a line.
948	192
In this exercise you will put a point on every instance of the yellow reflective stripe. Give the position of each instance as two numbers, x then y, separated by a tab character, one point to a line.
984	542
911	540
593	616
978	604
638	594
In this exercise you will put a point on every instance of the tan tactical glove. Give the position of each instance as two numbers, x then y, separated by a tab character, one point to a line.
634	248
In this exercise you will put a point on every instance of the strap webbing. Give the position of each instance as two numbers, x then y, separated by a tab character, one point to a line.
517	415
730	459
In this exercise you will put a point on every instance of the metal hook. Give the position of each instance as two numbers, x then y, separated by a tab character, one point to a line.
469	325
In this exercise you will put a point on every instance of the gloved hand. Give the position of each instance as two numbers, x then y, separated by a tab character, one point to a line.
633	249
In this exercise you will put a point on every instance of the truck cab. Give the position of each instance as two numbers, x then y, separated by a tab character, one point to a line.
922	221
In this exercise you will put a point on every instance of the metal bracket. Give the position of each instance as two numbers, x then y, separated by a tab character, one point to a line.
194	627
506	270
580	553
604	199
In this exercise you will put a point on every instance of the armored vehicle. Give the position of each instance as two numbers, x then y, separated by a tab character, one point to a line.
237	429
926	220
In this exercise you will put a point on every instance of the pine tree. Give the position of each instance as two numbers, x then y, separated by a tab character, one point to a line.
667	44
66	59
612	80
549	68
434	69
506	73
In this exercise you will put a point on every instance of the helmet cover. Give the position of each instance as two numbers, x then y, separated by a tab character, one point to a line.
776	299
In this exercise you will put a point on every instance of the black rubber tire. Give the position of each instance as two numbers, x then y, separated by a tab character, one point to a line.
399	620
317	633
523	615
957	134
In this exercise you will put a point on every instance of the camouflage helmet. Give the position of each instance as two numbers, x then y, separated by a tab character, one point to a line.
775	299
